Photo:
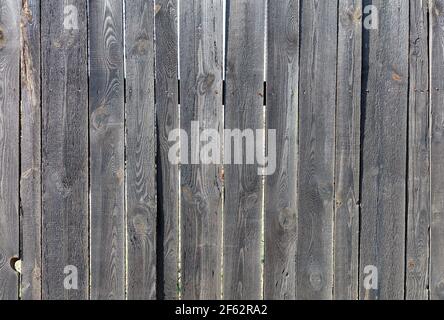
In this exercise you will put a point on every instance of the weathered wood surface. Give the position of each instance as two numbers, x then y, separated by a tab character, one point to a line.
167	110
243	111
88	103
436	38
64	148
30	153
201	184
107	142
384	150
317	101
347	155
281	206
9	145
418	223
141	200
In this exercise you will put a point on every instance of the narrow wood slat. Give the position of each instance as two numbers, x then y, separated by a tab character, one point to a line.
384	153
436	38
141	193
106	98
314	256
201	185
281	204
244	112
167	120
30	183
64	148
418	246
347	158
9	145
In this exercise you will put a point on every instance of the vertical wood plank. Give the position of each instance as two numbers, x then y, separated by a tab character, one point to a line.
244	112
64	147
437	151
282	115
201	184
167	120
141	190
30	183
314	257
107	150
383	212
9	145
417	277
347	158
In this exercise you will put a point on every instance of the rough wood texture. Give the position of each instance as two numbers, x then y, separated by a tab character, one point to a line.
30	183
201	184
244	111
141	190
384	150
107	150
417	276
314	256
282	115
348	119
167	120
64	149
437	151
359	149
9	145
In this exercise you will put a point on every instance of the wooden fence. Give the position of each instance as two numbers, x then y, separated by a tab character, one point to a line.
91	207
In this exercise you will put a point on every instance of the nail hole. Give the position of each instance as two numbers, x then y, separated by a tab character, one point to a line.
16	264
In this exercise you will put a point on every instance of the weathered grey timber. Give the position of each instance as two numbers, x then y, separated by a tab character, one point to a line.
64	149
244	110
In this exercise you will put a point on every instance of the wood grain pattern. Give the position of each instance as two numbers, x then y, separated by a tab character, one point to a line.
30	150
281	204
9	145
437	151
167	111
106	98
244	111
201	184
85	174
64	149
141	193
418	246
347	158
314	257
384	151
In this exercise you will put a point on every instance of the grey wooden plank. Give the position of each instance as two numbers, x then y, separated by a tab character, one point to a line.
64	148
437	151
30	149
243	111
107	176
9	145
314	257
418	224
167	120
281	194
141	193
201	185
383	212
347	153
